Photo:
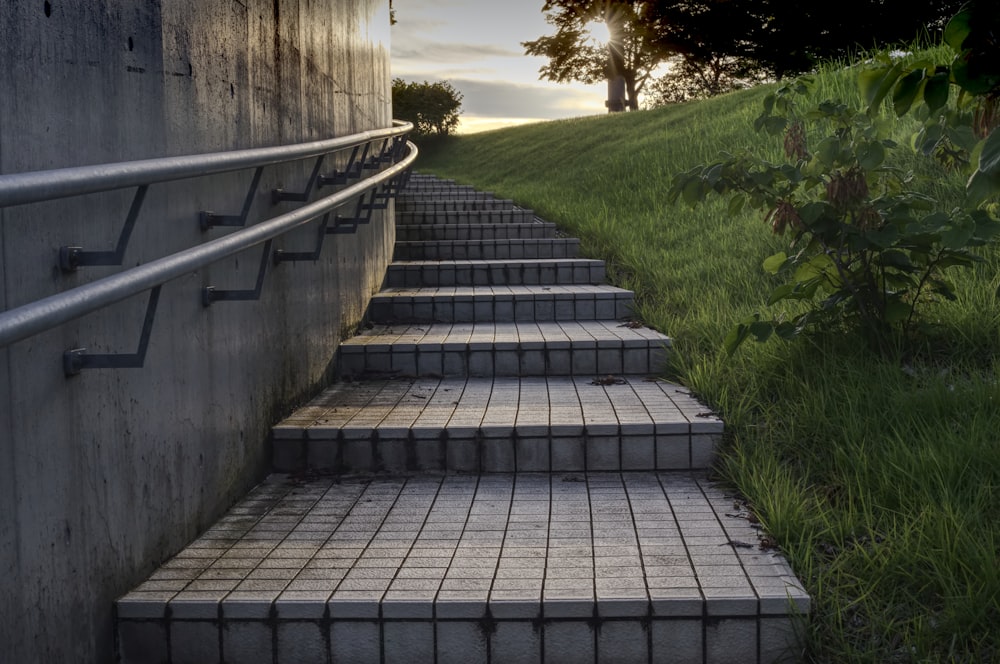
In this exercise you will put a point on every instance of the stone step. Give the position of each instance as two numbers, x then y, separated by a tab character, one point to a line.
523	568
427	178
570	348
498	424
470	205
436	186
474	304
407	196
474	232
534	272
518	216
560	247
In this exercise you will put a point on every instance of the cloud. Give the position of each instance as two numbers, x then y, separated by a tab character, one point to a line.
501	99
472	124
426	51
476	46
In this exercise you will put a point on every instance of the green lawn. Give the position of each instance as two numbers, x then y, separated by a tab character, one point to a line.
878	477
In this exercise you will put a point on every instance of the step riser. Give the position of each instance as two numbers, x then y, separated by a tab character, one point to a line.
474	232
435	275
512	308
445	207
679	640
523	360
442	188
483	451
429	196
487	250
406	218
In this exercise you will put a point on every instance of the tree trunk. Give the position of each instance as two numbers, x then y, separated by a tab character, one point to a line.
616	60
632	96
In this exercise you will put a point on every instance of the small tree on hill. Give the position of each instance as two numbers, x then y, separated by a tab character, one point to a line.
574	55
433	108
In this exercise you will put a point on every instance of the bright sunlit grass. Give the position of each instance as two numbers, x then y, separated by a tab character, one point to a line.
879	477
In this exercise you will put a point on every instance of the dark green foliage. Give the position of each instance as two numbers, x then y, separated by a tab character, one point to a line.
963	133
776	38
867	247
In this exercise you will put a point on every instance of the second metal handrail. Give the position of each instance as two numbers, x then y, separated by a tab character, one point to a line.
22	188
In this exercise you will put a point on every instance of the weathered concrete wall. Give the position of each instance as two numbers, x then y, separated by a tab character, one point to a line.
104	475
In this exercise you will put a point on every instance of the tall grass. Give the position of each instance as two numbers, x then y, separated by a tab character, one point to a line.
879	477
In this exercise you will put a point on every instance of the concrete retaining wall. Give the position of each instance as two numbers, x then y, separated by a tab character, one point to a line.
104	475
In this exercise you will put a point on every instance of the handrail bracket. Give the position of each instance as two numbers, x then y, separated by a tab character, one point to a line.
208	219
210	294
280	195
71	258
77	359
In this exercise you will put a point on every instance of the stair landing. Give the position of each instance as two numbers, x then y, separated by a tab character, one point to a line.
527	567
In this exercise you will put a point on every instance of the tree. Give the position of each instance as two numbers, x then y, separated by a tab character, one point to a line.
574	55
708	39
690	79
779	38
433	108
713	46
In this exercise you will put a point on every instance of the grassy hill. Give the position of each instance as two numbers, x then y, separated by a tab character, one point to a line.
879	477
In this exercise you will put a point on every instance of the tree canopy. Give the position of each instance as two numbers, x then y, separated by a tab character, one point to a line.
784	37
433	108
574	55
715	45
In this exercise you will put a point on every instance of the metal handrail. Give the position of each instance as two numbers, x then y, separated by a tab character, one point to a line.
35	317
36	186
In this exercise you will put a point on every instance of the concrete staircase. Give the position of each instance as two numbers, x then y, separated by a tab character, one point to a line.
497	477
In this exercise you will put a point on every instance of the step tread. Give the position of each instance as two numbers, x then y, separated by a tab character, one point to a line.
480	336
502	271
509	249
405	244
502	262
449	196
561	405
473	225
554	290
524	546
578	348
405	217
501	303
456	206
475	232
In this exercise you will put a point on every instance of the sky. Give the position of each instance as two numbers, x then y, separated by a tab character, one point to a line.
476	46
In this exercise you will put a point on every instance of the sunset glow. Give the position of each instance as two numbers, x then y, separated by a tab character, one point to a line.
476	45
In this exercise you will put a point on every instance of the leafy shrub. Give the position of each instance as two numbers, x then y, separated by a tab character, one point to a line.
868	245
